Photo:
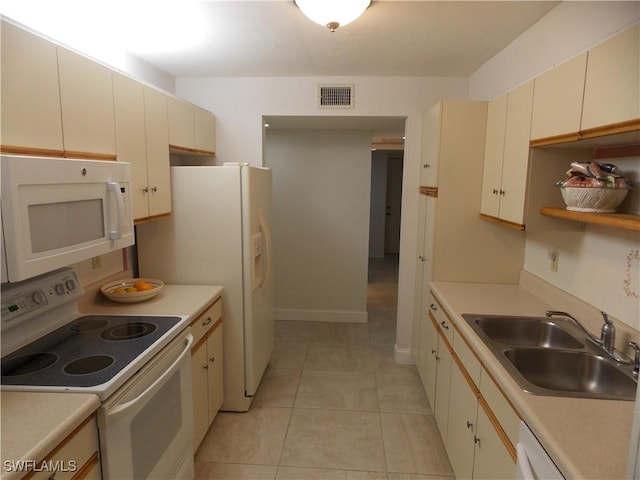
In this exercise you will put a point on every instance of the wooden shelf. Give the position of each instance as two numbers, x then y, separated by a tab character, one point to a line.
616	220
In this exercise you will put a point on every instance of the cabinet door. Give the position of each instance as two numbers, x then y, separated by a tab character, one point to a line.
492	461
430	146
128	101
462	425
181	123
86	97
31	115
199	383
429	362
204	130
493	155
214	352
516	154
443	380
158	162
557	99
612	85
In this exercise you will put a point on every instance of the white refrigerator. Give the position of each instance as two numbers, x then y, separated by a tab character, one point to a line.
218	234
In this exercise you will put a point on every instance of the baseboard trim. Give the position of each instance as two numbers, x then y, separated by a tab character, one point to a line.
335	316
403	356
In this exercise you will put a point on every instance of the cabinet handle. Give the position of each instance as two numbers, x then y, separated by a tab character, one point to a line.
426	165
502	192
495	191
476	440
422	259
212	359
433	307
206	367
444	325
437	358
433	352
469	425
53	475
209	320
145	190
154	189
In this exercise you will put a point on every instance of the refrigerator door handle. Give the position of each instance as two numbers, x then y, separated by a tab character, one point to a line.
264	228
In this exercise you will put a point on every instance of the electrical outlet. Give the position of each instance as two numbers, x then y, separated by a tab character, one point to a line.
554	256
96	262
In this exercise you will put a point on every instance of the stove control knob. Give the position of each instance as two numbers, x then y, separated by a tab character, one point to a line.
60	289
70	284
38	298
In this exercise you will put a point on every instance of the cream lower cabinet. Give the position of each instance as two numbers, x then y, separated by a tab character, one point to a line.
206	370
478	426
76	458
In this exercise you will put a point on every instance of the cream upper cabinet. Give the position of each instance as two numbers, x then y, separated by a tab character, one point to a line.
158	162
431	128
557	99
181	123
516	154
86	97
612	85
131	145
493	155
31	115
505	199
205	130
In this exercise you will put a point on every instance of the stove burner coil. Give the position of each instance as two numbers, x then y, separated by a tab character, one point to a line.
88	325
86	365
128	331
27	364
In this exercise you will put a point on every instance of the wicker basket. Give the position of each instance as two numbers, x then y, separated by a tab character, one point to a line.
593	200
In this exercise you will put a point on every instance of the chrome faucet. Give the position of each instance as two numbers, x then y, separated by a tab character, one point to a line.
554	313
607	334
636	363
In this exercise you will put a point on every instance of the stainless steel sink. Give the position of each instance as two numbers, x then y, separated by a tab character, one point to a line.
574	373
525	331
552	356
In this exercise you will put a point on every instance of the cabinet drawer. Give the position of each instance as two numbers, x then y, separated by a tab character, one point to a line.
69	458
501	408
205	321
468	359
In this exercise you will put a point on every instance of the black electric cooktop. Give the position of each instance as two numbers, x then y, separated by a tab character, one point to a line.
86	352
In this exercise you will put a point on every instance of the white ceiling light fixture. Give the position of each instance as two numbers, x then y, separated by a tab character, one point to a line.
333	13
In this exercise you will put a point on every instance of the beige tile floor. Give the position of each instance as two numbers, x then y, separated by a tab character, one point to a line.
332	405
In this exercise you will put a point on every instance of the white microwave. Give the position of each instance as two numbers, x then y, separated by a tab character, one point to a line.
56	212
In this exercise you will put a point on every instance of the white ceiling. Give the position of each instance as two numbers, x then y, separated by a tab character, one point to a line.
414	38
240	38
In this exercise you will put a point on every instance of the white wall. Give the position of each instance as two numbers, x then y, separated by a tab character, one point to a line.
240	103
599	265
320	223
566	31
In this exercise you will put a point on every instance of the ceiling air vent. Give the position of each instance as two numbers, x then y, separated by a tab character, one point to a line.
335	96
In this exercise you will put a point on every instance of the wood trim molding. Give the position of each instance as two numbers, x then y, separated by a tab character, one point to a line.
87	467
429	191
622	151
190	151
90	156
138	221
506	223
498	428
37	152
602	131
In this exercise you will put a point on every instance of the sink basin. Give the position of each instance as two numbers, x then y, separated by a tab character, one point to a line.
526	331
552	356
571	373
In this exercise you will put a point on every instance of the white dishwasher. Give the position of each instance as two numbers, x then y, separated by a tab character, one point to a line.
533	461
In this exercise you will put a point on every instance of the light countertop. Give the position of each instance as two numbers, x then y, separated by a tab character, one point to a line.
586	438
34	423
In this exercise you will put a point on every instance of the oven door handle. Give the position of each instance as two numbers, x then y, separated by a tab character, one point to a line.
123	409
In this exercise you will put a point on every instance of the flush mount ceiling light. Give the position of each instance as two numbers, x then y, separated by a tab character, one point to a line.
332	13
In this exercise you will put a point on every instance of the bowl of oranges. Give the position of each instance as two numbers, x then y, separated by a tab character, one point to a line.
132	290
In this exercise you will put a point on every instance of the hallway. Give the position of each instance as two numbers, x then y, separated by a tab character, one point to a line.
333	404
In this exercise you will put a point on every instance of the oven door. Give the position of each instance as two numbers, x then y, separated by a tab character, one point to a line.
146	426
